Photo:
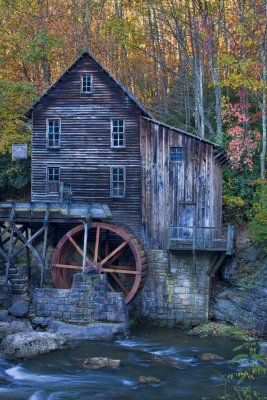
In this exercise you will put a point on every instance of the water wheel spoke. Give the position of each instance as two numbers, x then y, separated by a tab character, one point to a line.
78	249
116	256
124	267
121	271
107	244
69	266
96	243
109	256
111	287
120	284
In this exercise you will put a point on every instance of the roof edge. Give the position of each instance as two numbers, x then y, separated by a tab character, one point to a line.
220	152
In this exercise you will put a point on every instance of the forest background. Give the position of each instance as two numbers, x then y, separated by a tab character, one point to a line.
198	65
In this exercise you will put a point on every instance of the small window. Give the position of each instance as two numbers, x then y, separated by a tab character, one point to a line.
52	179
86	84
118	133
117	182
53	127
177	154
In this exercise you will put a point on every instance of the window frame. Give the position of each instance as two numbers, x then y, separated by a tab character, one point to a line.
112	133
49	181
91	84
112	182
48	146
182	154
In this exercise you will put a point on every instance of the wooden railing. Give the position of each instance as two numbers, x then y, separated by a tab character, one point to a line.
202	238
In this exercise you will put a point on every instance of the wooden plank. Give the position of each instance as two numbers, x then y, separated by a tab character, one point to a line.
121	271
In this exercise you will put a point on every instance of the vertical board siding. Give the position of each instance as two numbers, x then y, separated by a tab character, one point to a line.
174	193
85	155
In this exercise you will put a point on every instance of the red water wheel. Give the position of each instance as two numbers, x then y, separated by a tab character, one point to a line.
110	249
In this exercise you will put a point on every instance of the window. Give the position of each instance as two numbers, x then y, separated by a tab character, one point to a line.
86	84
117	180
118	133
177	154
52	179
53	130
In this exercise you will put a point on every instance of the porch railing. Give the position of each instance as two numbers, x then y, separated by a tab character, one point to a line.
202	238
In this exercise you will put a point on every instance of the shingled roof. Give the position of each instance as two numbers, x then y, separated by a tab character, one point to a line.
85	53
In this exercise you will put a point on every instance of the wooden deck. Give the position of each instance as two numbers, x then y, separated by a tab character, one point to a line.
202	239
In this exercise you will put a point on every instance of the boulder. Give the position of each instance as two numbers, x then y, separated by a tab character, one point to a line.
148	379
211	357
19	309
8	328
72	332
30	344
3	316
170	362
101	362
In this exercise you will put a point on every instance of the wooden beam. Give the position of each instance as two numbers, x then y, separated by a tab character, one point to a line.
85	239
120	247
121	271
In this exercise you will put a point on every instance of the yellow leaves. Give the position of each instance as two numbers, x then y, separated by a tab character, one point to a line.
233	201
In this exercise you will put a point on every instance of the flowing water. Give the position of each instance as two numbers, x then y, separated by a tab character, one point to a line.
166	354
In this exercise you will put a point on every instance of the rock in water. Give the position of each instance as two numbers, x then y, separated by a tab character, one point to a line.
101	362
148	379
211	357
4	316
30	344
19	309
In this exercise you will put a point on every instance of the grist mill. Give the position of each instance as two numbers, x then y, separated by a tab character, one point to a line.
119	195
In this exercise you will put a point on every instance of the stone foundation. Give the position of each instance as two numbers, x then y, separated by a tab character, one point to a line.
87	301
176	291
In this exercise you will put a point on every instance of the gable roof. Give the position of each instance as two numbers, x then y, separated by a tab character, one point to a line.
146	114
85	53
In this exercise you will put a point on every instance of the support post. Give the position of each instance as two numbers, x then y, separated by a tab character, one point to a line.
230	239
28	257
11	239
44	245
85	239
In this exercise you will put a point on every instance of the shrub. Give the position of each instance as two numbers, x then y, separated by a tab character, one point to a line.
258	221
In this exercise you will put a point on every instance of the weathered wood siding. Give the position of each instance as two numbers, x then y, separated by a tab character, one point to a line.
177	193
85	154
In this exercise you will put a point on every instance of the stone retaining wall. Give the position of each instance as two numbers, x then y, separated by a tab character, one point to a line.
87	301
176	292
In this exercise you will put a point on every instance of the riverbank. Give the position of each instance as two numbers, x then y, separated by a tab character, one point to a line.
239	290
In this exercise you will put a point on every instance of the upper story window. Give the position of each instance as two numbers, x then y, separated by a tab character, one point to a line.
177	154
118	133
53	130
117	181
52	179
86	84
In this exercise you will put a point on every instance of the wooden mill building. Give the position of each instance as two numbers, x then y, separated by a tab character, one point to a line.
127	195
